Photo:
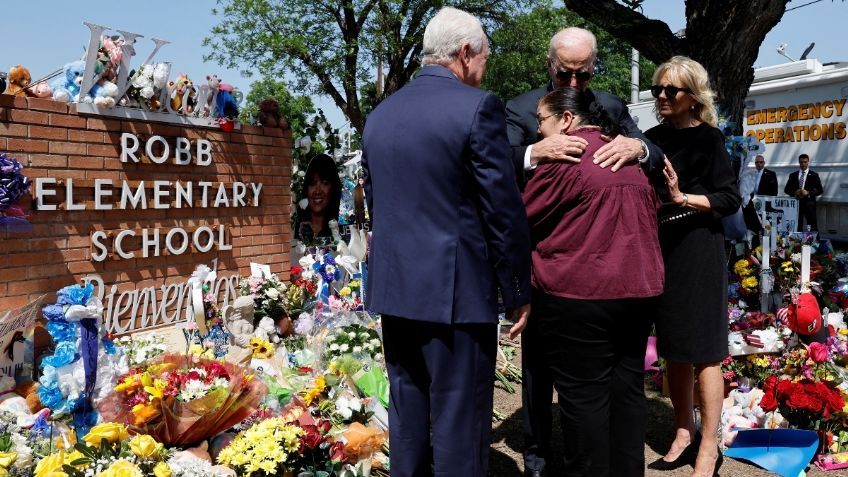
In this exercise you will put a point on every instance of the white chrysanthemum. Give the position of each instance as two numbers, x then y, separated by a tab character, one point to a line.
357	349
344	347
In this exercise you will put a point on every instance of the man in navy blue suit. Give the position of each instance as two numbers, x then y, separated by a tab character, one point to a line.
571	61
449	232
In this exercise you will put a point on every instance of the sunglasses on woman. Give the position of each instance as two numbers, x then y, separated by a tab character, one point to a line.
565	75
670	91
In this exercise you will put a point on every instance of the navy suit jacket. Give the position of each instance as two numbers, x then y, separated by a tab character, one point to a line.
448	224
523	127
768	183
812	184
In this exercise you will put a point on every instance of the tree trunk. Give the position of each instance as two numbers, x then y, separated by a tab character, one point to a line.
724	36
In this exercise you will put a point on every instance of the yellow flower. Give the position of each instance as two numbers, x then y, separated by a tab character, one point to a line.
344	291
121	468
7	459
261	349
750	283
49	464
157	390
73	456
70	439
109	431
144	413
741	268
129	384
162	470
144	446
201	352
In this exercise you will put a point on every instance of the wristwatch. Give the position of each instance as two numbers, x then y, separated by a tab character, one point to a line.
644	157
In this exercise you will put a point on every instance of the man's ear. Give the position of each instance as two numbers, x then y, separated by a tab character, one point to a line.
464	55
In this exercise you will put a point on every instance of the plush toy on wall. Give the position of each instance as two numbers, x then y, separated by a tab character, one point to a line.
104	93
67	87
213	82
40	90
17	81
269	114
179	102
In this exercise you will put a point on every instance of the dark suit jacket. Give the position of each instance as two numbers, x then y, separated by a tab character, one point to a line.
523	127
768	183
448	222
812	185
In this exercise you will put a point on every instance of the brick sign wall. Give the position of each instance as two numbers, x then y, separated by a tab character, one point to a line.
76	154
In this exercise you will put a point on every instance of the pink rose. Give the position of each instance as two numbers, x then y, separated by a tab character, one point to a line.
819	352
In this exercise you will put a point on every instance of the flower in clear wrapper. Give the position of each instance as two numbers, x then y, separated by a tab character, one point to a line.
108	431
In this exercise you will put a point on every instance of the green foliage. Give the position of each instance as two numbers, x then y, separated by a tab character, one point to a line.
331	47
520	50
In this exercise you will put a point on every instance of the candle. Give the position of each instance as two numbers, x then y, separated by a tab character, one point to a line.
805	268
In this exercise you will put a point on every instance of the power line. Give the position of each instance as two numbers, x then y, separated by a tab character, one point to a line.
799	6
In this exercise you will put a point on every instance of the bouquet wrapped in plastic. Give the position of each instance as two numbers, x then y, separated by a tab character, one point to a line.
181	400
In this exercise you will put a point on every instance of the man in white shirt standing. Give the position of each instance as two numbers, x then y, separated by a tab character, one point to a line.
766	178
805	185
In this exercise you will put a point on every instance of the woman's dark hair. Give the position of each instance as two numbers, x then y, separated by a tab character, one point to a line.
325	167
582	104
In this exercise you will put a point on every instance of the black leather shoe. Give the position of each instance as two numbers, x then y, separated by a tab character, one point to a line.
534	473
687	457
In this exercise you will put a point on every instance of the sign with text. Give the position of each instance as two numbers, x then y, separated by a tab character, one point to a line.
781	212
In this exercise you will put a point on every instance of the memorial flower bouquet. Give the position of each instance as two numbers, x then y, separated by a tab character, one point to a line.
269	295
108	451
267	448
181	400
805	404
353	338
19	447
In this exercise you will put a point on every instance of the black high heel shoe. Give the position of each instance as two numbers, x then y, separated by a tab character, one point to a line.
687	457
719	460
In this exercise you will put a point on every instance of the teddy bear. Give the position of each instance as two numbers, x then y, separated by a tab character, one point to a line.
104	93
67	87
17	81
180	102
269	114
40	90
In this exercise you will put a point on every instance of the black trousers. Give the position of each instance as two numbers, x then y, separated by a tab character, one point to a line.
594	351
441	376
807	215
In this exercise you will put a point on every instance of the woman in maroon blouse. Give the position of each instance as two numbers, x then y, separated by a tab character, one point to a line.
596	268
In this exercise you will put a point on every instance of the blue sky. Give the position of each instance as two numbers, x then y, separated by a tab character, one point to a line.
45	37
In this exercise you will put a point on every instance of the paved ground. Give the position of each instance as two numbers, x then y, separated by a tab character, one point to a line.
506	459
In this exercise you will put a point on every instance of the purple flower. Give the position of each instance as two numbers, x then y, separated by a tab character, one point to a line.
13	184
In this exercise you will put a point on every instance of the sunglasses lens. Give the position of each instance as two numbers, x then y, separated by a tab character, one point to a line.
563	75
583	75
566	75
671	91
656	90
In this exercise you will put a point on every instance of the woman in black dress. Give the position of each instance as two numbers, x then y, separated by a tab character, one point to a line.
692	317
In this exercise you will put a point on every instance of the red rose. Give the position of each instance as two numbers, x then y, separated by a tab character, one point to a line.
818	352
768	403
296	271
312	437
337	452
324	426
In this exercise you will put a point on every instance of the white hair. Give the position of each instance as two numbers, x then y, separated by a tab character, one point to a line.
447	31
573	36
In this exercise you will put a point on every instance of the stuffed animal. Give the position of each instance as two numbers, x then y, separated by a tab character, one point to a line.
40	90
213	82
266	330
67	88
226	104
104	93
269	114
17	81
183	94
2	81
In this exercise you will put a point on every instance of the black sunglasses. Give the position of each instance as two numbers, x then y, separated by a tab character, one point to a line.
565	75
670	91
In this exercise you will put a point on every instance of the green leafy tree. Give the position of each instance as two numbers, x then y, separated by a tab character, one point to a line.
332	47
520	51
724	36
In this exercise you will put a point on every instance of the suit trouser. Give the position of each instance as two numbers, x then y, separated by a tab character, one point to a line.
595	351
807	215
440	376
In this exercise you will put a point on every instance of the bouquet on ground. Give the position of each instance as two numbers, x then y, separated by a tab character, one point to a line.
805	404
108	451
181	400
353	338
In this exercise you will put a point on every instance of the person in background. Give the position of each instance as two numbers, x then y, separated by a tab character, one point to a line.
691	321
805	185
601	226
448	232
766	178
322	189
571	61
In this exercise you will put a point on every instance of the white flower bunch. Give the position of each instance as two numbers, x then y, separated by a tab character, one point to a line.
345	407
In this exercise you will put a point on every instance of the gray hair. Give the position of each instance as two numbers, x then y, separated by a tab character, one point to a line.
447	31
572	36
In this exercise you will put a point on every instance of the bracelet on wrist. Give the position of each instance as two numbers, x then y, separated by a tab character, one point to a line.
685	201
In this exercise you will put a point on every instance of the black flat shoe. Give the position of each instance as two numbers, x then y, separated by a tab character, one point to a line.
687	457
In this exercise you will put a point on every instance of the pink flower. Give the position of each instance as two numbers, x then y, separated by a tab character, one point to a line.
818	352
191	325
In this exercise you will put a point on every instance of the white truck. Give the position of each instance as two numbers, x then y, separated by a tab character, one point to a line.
796	108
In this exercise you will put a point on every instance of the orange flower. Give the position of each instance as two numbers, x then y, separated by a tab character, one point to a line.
144	413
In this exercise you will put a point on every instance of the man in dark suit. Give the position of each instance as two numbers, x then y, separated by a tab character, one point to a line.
805	185
766	178
448	231
571	61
